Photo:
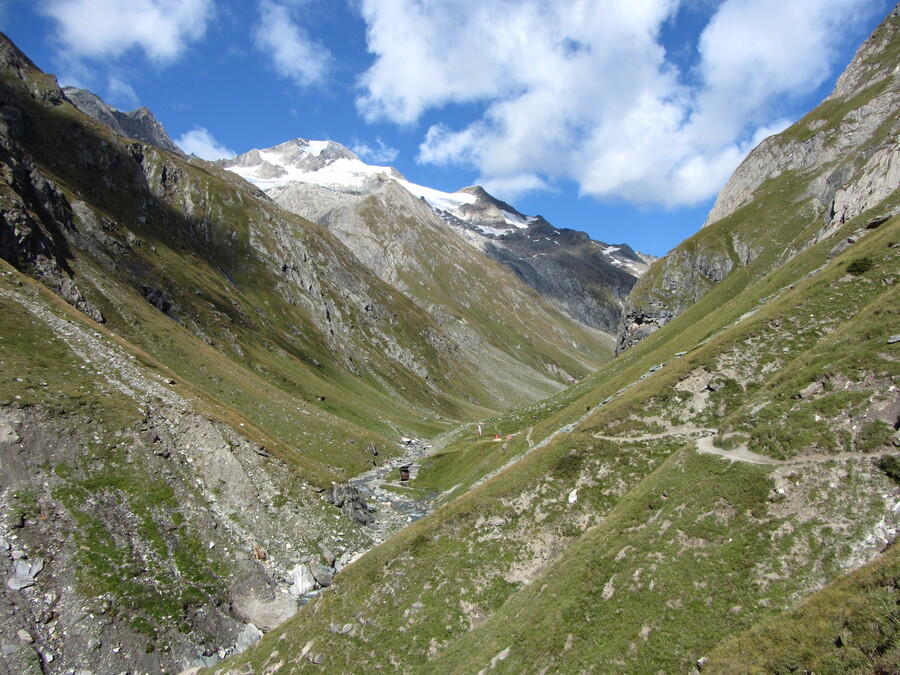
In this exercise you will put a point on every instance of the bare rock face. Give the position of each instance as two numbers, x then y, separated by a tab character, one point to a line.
848	179
139	123
33	215
264	612
683	277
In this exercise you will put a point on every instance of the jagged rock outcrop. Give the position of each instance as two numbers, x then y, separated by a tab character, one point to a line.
34	215
680	279
855	155
838	162
351	502
139	123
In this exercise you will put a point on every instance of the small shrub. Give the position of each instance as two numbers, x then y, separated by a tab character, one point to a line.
890	464
728	442
874	436
567	466
860	266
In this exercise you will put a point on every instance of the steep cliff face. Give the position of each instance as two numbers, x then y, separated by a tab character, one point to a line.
839	161
680	279
586	279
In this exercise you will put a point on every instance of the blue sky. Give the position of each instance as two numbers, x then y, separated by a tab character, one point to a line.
620	118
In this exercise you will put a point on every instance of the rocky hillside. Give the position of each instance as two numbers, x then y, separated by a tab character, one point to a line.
840	160
185	370
326	183
672	512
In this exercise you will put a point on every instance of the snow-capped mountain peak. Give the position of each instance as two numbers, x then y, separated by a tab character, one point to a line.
331	165
324	163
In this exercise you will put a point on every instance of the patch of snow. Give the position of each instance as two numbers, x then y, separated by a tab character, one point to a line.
343	172
437	199
515	220
316	147
487	229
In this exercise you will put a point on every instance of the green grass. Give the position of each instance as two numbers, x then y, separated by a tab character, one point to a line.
851	626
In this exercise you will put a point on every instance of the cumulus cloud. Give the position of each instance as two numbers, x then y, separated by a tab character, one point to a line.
109	28
379	153
294	54
200	142
585	90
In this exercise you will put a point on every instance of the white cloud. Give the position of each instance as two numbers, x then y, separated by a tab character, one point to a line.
109	28
583	89
512	187
121	94
199	141
294	53
380	153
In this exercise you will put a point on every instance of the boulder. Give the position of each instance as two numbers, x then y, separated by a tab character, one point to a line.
304	581
351	502
247	638
324	575
265	613
811	390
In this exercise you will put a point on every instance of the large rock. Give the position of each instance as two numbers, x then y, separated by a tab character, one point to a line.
265	613
324	575
351	502
250	635
304	581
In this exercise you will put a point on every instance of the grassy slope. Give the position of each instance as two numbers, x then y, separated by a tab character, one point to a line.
850	626
708	546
